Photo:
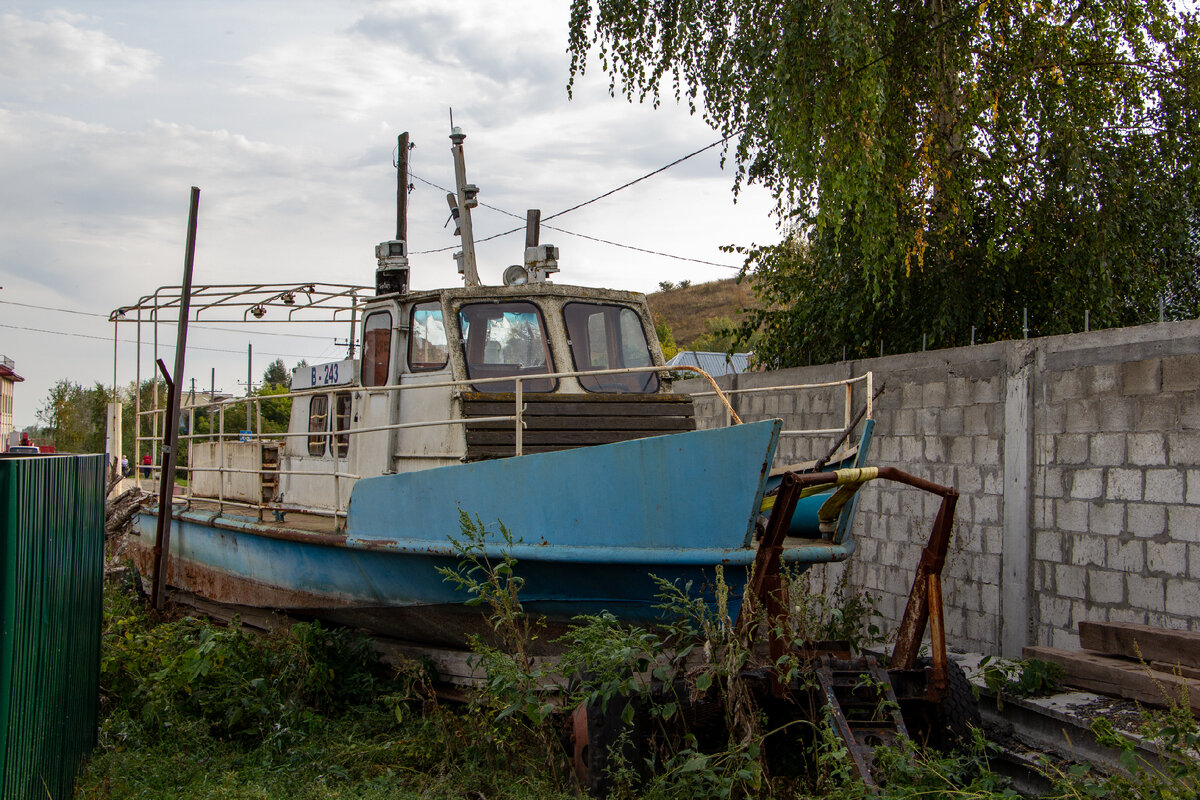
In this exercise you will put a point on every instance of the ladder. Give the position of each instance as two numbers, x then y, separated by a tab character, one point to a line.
862	709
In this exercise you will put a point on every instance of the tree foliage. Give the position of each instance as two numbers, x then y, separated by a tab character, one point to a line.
939	166
74	418
276	374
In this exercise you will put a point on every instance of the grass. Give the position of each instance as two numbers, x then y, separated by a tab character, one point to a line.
193	709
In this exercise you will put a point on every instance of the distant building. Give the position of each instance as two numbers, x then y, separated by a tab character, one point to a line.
715	364
8	380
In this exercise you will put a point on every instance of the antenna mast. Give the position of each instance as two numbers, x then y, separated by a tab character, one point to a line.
460	208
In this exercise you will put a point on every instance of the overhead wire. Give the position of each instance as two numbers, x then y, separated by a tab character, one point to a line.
506	212
163	345
206	325
973	8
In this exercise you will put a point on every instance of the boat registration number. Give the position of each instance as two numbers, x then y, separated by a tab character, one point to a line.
336	373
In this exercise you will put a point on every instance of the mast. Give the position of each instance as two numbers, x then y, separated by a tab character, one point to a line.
461	206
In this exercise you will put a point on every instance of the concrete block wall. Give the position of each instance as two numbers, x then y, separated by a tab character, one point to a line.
1116	530
1078	462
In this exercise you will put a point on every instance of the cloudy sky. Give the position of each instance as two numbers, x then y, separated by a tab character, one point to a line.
285	114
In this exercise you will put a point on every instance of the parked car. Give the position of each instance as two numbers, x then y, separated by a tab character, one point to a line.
24	449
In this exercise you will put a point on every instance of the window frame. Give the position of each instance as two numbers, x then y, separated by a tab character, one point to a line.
317	437
423	366
369	347
341	435
527	379
653	382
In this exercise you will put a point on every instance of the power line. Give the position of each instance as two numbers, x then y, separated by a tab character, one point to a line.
567	232
199	323
164	346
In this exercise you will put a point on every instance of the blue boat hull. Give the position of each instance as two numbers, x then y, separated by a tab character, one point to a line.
591	527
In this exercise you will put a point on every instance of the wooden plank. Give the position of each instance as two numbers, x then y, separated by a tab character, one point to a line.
625	423
481	409
1144	642
1121	678
1176	669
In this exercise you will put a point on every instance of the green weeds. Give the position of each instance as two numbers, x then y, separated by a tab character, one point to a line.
1031	677
193	709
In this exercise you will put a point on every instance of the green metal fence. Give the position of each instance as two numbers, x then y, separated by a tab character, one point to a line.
51	565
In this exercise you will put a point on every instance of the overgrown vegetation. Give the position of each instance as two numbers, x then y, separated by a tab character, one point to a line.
1031	677
195	709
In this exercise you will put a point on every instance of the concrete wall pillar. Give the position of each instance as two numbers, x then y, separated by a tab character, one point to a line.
1016	579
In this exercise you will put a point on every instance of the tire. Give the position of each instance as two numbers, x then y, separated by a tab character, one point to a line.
958	714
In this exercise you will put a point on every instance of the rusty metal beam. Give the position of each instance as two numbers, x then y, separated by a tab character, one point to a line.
917	612
767	590
166	478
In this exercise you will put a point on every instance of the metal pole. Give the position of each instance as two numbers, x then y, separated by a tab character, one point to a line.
353	319
249	377
470	270
212	398
137	404
166	482
518	436
1087	320
1025	322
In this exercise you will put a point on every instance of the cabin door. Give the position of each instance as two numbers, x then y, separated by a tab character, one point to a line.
376	407
426	362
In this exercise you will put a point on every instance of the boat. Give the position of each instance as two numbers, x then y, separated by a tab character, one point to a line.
541	415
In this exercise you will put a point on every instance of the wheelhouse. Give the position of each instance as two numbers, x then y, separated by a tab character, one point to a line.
405	404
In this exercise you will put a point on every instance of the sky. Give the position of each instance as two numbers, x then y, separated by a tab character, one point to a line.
285	115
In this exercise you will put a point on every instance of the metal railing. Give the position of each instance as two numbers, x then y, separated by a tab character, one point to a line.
333	434
867	379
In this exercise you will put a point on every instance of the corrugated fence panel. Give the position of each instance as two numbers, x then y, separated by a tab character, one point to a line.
52	562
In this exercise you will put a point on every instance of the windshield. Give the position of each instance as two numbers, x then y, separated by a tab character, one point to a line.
609	337
505	339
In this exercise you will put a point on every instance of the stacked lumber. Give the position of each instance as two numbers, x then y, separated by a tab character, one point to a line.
1154	666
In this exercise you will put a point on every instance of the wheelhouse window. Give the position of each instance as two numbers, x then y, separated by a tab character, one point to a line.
377	348
427	338
609	337
505	339
318	421
341	422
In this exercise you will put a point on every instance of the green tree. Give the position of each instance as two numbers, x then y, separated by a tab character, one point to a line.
666	340
75	417
277	374
720	334
940	165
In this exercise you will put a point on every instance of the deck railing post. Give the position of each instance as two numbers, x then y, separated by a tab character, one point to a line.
331	446
520	422
221	459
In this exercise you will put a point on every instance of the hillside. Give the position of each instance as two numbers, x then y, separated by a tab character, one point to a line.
685	310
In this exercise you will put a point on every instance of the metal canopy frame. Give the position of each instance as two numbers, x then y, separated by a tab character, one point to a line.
250	302
308	301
